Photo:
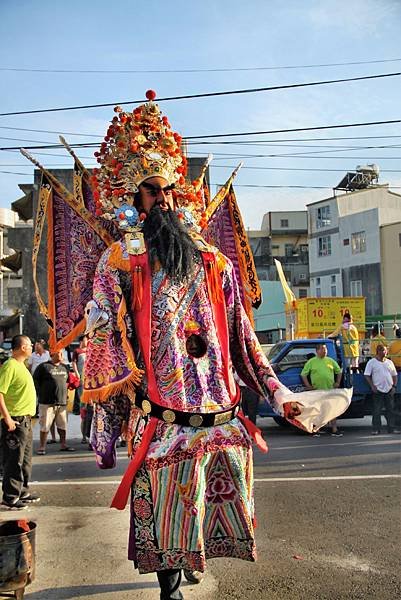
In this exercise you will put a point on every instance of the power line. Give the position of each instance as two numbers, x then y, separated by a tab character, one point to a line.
334	148
304	187
220	135
270	141
206	95
287	169
364	137
214	166
217	70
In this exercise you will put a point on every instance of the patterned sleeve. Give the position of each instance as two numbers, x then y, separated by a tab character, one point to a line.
248	358
110	373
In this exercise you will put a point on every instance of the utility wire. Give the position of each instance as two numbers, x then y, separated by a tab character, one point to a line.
217	70
214	166
304	187
220	135
365	137
206	95
334	148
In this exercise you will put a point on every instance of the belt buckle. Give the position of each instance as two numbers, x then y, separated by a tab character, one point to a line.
223	417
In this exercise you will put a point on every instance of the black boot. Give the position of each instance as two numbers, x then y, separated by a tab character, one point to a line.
169	581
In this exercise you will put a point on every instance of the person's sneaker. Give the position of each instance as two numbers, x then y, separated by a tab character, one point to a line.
193	576
30	498
17	505
375	432
336	434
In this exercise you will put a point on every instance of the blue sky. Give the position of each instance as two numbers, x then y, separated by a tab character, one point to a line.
230	34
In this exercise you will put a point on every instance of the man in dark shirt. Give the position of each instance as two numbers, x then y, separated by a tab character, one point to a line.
51	385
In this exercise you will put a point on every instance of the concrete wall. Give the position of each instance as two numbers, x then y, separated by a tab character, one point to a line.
370	276
362	200
367	221
390	242
297	220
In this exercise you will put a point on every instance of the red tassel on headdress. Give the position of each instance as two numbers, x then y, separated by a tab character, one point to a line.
137	288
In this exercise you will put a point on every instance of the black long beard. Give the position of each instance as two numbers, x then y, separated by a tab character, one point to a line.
169	243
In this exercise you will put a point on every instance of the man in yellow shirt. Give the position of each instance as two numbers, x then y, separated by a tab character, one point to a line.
394	351
17	407
350	339
377	337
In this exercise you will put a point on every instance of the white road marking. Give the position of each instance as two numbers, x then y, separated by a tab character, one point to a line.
329	478
335	443
257	480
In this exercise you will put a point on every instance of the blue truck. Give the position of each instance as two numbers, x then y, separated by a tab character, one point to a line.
288	358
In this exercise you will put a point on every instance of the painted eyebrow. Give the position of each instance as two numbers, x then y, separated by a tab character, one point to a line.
154	188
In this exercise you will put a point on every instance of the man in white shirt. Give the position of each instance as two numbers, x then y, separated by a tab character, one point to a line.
381	375
38	357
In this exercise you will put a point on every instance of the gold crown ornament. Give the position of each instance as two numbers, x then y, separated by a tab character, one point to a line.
137	146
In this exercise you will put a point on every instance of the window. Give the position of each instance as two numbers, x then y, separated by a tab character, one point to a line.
323	217
302	276
399	238
317	280
346	242
298	355
318	292
324	245
283	222
333	279
303	293
356	287
289	249
333	291
304	248
358	242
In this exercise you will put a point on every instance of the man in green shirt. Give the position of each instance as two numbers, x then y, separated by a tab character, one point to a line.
322	373
17	407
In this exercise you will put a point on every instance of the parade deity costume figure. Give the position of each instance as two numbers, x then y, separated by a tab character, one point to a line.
167	330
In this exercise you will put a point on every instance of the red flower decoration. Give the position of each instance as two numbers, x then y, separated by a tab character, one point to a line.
150	94
220	489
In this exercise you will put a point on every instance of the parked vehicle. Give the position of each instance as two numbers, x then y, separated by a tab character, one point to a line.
5	351
288	359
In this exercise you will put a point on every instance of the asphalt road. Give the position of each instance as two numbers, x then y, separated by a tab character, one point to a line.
328	513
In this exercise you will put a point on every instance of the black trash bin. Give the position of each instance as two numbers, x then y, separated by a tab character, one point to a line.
17	557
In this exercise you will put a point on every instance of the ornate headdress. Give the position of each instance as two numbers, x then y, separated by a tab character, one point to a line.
137	146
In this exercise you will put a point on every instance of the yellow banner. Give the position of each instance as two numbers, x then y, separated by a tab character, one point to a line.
288	293
324	315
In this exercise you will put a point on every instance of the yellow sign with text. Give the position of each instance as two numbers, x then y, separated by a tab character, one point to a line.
320	316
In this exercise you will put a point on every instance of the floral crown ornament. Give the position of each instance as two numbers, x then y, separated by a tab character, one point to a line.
137	146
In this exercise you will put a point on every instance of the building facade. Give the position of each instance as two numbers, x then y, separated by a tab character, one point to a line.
284	236
10	276
346	246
